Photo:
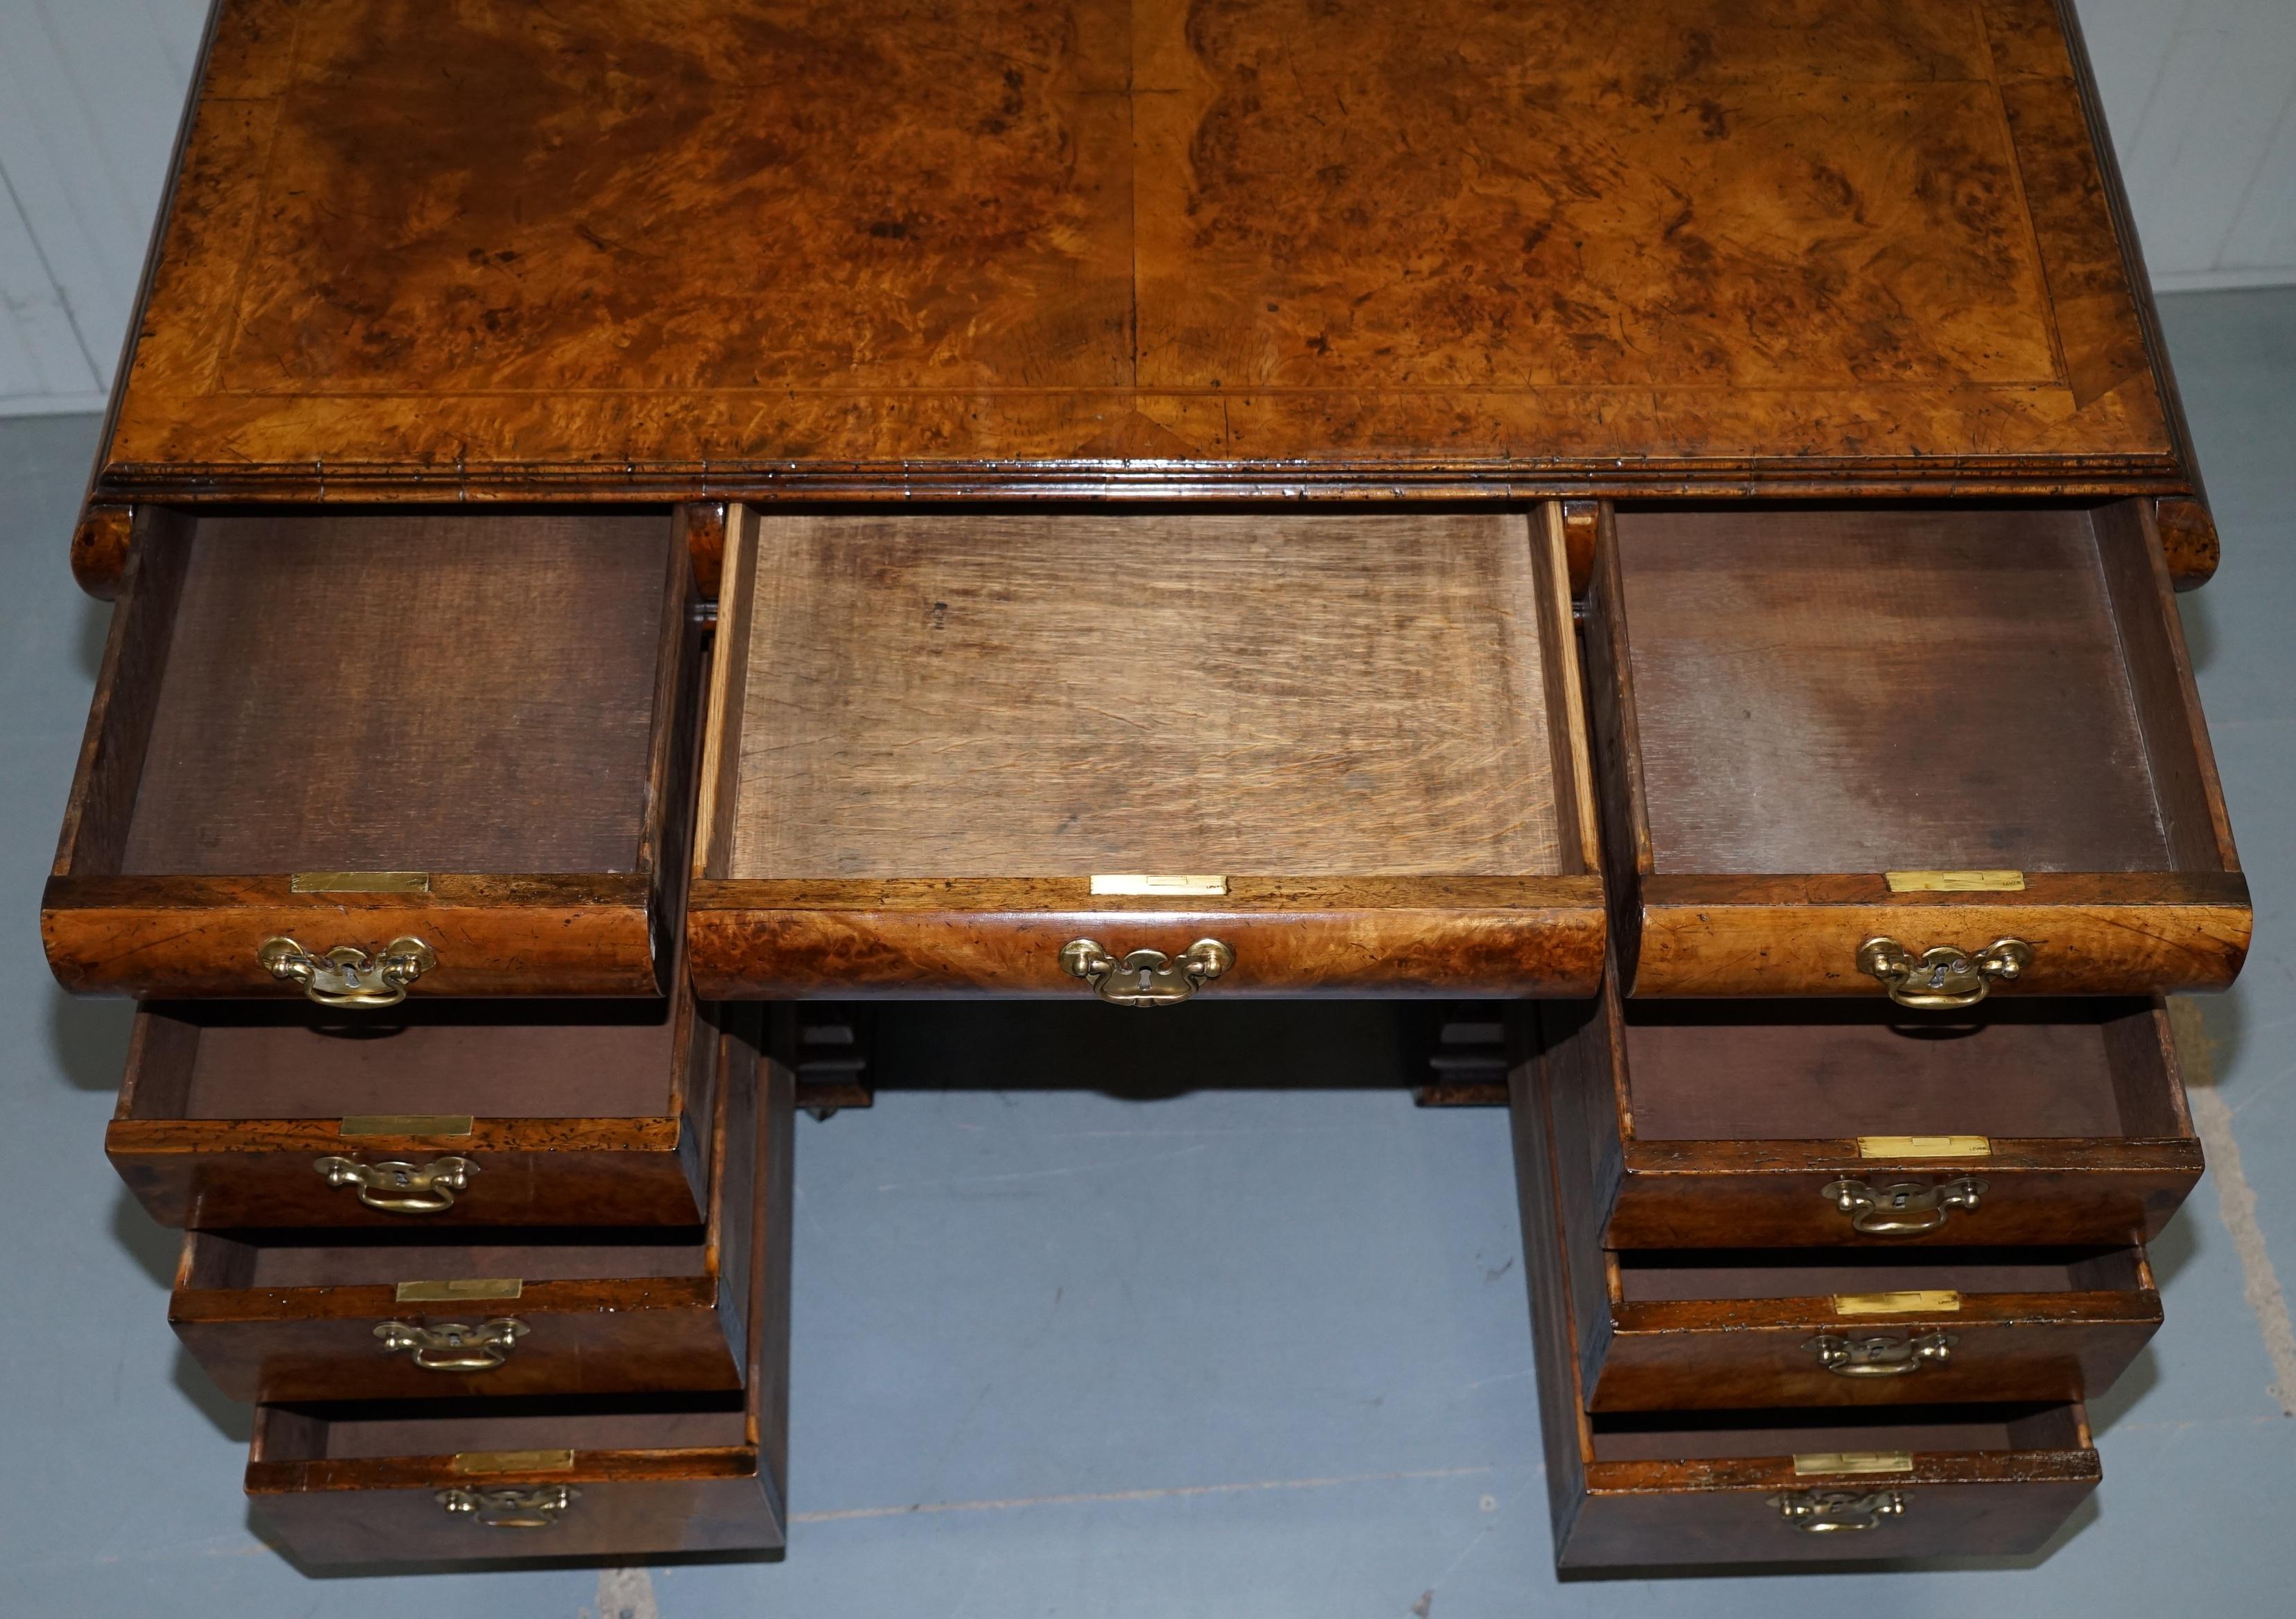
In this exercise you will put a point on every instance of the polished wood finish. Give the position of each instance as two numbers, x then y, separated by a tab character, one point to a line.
593	1113
1089	249
496	701
1719	1124
350	1484
1648	1487
1698	1329
290	1316
925	736
1791	702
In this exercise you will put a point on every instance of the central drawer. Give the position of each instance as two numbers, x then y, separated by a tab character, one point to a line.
1145	754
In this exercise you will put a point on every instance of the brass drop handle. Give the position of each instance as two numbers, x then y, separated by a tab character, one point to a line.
397	1187
510	1506
1837	1511
453	1347
1146	978
1880	1354
1945	977
345	976
1904	1208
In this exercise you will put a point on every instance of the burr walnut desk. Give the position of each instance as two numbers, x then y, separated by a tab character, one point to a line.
621	510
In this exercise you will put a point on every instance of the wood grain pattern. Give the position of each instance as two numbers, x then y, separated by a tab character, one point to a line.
1878	690
1081	248
350	1484
948	696
597	1114
2138	934
1707	1125
1778	692
179	936
535	763
1657	1488
413	725
100	545
1731	1330
1056	696
290	1316
1370	936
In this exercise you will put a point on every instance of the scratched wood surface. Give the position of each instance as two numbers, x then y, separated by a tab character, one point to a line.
1022	696
361	693
995	245
1883	690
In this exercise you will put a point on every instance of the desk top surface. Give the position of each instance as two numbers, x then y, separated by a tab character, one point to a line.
979	247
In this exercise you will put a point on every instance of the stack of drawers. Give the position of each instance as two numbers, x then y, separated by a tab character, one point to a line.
486	1263
1834	1278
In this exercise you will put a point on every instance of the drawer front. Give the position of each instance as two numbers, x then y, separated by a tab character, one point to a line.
1983	1201
1145	756
517	1517
1622	1520
1868	1361
392	1186
472	782
1050	939
1932	754
531	1345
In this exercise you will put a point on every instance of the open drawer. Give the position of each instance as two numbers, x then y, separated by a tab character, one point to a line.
1699	1327
480	1480
1924	751
505	1113
1270	753
1794	1486
305	1315
351	754
1699	1123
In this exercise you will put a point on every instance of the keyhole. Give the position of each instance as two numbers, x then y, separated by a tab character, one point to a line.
1147	977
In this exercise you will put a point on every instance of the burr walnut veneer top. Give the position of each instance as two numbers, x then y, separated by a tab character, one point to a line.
741	245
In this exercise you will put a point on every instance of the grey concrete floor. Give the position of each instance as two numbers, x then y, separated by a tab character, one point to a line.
1247	1351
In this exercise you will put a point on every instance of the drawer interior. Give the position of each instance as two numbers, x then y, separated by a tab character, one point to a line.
1866	690
304	1259
1794	1071
983	697
488	1059
1931	1430
1656	1275
350	1432
406	691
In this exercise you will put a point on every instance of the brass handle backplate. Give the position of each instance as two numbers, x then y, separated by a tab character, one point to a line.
1904	1208
1943	977
453	1347
346	976
1146	978
1881	1354
1837	1511
510	1506
397	1187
